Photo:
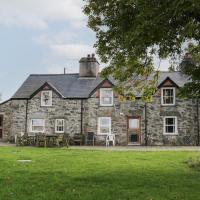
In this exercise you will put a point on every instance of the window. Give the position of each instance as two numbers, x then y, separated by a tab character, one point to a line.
46	98
104	125
170	125
106	97
168	96
37	125
134	123
59	126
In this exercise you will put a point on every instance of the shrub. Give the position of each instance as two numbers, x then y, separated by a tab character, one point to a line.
194	163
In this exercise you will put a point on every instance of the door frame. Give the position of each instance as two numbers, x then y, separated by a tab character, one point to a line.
138	130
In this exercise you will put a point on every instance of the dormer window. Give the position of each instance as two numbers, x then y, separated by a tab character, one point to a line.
46	98
168	96
106	97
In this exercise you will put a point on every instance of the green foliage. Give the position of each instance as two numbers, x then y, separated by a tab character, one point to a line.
131	32
190	66
194	163
62	174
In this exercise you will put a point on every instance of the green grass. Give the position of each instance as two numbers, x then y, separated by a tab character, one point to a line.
62	174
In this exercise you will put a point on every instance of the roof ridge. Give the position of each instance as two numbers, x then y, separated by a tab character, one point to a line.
52	74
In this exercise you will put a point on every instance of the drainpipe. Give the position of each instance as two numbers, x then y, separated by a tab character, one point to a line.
145	110
81	116
198	128
26	117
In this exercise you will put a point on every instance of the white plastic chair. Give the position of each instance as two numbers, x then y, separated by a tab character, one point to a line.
110	138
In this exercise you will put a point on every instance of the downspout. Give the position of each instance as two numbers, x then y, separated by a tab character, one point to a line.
198	128
145	110
81	116
26	117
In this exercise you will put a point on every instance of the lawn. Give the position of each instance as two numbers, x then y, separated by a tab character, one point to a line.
58	174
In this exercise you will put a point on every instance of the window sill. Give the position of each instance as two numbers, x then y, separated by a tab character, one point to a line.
102	105
170	134
103	134
31	131
165	105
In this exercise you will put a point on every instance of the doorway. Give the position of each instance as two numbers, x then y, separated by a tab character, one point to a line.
134	130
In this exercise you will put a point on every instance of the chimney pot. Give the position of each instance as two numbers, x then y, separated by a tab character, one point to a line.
89	67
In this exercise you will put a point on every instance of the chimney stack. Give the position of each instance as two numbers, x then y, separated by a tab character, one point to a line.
88	67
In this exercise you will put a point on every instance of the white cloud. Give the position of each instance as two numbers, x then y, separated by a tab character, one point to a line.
57	37
162	65
38	13
71	51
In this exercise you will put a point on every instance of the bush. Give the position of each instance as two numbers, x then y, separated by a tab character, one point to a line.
194	163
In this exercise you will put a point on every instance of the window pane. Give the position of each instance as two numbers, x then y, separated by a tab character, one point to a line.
170	129
107	100
59	125
170	121
38	122
133	123
104	129
106	96
170	125
168	96
46	97
107	93
38	125
59	122
104	125
105	122
37	128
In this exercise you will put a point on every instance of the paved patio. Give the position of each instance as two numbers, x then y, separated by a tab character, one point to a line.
139	148
4	144
128	148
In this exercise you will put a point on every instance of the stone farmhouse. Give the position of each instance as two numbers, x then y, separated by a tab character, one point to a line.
84	102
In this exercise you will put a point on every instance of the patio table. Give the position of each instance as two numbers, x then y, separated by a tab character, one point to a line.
50	138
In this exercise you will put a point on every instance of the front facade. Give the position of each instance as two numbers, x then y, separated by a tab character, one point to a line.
84	102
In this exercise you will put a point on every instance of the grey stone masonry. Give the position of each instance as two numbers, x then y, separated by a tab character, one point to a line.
69	110
17	115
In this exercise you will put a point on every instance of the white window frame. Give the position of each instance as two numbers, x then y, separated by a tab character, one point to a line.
101	102
174	96
164	125
42	102
110	124
56	125
31	126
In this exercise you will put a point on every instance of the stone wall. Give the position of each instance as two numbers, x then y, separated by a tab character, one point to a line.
69	110
118	113
5	110
14	113
184	110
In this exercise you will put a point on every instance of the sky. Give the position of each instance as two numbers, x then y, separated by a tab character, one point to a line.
41	37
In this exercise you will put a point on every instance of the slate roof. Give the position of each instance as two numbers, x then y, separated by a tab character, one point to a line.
71	86
177	77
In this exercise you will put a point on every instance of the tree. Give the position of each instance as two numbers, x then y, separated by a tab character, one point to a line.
190	66
131	32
